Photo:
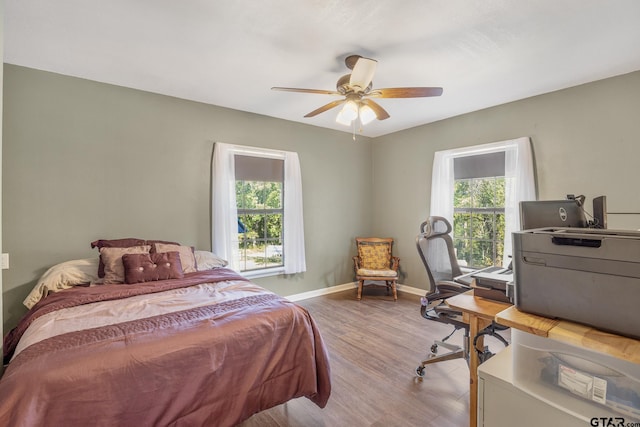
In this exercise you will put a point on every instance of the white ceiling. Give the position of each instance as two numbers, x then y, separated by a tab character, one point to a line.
230	53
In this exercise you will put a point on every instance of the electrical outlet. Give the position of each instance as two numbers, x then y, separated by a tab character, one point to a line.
5	261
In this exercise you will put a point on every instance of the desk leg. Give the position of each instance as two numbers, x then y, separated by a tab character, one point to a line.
476	324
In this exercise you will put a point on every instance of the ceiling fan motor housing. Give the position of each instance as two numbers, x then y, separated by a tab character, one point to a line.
344	86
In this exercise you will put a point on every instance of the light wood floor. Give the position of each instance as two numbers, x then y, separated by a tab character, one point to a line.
374	347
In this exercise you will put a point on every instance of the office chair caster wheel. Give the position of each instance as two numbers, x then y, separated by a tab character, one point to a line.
420	371
434	349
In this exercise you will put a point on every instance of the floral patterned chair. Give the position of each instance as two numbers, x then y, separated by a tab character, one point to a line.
374	262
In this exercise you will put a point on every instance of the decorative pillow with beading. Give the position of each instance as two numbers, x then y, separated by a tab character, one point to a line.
374	256
141	268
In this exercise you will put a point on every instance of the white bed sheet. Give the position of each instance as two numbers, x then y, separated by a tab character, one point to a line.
105	313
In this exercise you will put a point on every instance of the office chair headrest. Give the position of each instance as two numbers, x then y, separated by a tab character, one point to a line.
433	226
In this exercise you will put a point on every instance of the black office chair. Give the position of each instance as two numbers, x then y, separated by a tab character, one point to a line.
435	238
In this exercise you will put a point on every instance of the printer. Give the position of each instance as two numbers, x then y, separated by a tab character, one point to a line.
493	284
588	276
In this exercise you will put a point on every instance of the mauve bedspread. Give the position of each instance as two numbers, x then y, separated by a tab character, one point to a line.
237	350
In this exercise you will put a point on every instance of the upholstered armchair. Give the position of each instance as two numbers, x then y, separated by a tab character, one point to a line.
374	262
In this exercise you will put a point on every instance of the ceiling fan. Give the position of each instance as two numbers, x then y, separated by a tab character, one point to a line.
357	90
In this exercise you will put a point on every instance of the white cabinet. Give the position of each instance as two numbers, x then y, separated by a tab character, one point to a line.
501	404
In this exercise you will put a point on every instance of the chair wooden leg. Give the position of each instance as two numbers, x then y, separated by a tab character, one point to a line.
395	293
360	285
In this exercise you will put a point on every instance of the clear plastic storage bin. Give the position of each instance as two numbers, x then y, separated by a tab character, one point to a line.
585	383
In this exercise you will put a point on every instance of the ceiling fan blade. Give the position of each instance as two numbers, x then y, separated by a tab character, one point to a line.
406	92
381	113
363	72
325	108
320	91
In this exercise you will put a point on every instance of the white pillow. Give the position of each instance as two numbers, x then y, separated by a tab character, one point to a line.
206	260
63	276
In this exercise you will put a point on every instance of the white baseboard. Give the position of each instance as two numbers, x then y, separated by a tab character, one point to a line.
352	285
411	290
320	292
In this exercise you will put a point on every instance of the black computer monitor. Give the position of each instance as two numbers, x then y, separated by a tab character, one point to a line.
551	213
600	212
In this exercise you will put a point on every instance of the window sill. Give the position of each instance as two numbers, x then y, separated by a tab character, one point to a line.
254	274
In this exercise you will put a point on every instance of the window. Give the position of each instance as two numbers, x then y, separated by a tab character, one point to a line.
478	189
478	221
478	209
260	209
257	216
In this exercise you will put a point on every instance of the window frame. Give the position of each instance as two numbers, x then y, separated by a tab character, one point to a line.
519	177
265	271
224	218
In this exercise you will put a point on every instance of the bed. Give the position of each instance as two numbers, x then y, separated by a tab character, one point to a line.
203	346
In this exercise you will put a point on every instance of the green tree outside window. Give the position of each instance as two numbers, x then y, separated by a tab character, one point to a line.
260	210
478	220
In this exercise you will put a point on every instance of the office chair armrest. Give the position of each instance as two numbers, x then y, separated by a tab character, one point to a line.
449	286
395	263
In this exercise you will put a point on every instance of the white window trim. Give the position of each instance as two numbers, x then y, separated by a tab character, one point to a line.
264	272
224	222
519	184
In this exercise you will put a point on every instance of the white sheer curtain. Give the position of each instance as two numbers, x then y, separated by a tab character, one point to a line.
441	205
224	239
294	258
519	185
224	225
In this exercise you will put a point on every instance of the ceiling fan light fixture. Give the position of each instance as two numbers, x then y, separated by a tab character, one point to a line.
340	119
357	90
366	114
348	113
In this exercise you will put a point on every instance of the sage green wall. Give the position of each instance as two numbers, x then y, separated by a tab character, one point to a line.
84	160
586	140
1	91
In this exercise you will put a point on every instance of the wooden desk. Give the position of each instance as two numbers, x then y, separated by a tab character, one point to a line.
478	313
572	333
